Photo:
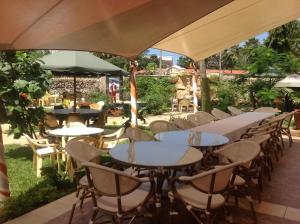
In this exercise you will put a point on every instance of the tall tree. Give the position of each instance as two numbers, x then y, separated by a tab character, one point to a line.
285	39
184	61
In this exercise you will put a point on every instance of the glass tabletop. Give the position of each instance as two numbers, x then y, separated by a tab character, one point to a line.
155	154
192	138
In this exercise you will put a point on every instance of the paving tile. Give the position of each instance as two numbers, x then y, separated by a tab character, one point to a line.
292	214
28	218
270	209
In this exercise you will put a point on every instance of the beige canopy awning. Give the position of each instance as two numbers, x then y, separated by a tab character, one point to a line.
196	28
230	25
124	28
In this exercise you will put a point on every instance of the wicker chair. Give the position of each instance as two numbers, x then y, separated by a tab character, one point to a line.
197	120
285	127
161	126
219	114
50	121
116	193
267	110
87	139
81	152
202	193
205	115
261	135
136	134
234	111
183	124
75	120
245	152
41	149
100	120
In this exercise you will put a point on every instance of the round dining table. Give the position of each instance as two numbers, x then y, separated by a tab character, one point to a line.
158	156
155	155
75	131
87	114
197	139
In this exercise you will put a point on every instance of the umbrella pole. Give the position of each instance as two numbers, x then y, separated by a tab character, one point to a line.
133	93
74	85
194	84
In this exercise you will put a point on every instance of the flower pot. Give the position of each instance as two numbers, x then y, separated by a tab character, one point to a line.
297	118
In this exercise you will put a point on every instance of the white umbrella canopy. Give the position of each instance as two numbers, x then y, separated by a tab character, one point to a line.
291	81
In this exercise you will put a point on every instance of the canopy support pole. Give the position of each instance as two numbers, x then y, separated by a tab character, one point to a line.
4	187
74	108
205	90
133	93
194	86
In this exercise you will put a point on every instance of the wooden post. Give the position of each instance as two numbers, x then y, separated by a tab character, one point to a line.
133	93
4	187
194	87
205	90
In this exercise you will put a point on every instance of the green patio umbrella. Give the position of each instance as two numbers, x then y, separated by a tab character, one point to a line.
79	63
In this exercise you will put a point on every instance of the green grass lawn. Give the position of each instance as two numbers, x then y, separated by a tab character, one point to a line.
28	191
21	174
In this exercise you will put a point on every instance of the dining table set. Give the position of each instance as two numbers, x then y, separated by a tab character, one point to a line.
175	151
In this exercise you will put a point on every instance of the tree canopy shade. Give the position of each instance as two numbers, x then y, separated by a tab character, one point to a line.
194	28
78	62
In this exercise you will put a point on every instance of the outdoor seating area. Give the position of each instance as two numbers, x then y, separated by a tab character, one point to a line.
173	173
146	111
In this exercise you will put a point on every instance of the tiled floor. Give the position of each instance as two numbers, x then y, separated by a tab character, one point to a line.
281	201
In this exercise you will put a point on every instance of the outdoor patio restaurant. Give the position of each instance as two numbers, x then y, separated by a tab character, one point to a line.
95	129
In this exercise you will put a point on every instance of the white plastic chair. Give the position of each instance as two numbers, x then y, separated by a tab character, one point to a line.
41	149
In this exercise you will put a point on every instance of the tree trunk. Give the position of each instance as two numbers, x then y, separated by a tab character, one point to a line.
4	187
205	90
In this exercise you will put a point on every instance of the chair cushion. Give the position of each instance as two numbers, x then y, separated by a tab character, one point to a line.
238	181
45	151
198	199
84	181
129	202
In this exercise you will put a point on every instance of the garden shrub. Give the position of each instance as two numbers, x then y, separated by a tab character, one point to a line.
156	93
97	96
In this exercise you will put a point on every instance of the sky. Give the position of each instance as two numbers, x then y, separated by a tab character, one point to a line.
175	56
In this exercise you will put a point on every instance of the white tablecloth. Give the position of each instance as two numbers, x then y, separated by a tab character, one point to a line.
234	127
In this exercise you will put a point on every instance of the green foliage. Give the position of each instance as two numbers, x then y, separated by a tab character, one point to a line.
30	192
22	83
261	60
143	60
285	39
293	95
226	97
156	93
267	96
184	62
97	96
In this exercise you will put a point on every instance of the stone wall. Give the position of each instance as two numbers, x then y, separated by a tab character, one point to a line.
85	85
